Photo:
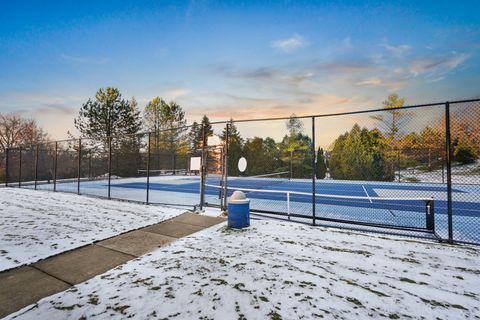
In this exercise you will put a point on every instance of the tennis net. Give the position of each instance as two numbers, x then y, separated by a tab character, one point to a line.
399	212
258	181
162	172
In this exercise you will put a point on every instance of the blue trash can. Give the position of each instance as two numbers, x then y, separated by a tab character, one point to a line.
238	210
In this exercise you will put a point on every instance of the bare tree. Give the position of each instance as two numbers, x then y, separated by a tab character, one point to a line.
17	131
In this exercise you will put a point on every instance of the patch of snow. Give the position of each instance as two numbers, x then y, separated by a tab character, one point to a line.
461	174
211	212
38	224
278	270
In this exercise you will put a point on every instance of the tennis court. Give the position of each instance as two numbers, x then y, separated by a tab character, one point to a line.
400	205
401	185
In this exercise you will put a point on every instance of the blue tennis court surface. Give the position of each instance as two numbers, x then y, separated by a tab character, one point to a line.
381	203
366	193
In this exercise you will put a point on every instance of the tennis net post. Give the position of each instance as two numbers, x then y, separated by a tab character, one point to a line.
430	218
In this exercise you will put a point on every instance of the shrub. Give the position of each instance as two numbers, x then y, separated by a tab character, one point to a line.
465	152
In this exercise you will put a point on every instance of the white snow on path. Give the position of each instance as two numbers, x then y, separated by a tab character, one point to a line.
277	270
37	224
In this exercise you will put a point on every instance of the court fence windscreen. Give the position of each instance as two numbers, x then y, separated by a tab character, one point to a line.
415	169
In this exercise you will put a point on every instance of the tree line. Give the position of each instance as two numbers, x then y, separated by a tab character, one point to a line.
358	154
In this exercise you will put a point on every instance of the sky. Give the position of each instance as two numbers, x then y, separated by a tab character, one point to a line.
235	59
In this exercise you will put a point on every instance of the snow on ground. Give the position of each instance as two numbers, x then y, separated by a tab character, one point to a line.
279	270
461	174
38	224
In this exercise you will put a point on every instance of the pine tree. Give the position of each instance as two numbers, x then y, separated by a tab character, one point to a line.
166	121
294	125
166	124
394	118
234	147
320	165
107	115
430	140
207	126
360	155
295	147
195	138
465	151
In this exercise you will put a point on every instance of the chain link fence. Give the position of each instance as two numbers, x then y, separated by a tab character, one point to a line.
465	170
413	169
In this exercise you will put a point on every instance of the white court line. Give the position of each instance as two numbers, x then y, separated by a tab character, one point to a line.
368	196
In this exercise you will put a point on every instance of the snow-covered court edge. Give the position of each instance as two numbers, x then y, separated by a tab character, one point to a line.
279	270
38	224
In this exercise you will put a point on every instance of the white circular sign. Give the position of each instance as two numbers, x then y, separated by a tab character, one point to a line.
242	164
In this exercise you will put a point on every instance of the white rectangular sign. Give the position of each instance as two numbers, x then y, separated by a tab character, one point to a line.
195	163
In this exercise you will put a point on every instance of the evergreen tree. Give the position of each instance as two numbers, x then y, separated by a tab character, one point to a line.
360	155
390	123
394	118
294	125
151	120
431	141
107	115
207	127
166	121
195	138
254	153
295	146
320	165
465	151
297	158
195	135
234	147
272	155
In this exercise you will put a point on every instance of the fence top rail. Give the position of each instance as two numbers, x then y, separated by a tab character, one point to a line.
324	115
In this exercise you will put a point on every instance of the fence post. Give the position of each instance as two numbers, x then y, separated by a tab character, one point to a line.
90	163
148	168
430	216
36	166
288	204
109	164
203	169
399	165
20	167
55	167
79	164
225	167
174	157
6	166
448	145
314	186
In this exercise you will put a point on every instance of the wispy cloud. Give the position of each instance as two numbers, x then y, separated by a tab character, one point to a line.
221	106
437	65
84	60
369	82
348	66
291	44
176	93
57	109
270	75
397	51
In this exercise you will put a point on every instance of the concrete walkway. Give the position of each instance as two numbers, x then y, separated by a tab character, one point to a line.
26	285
